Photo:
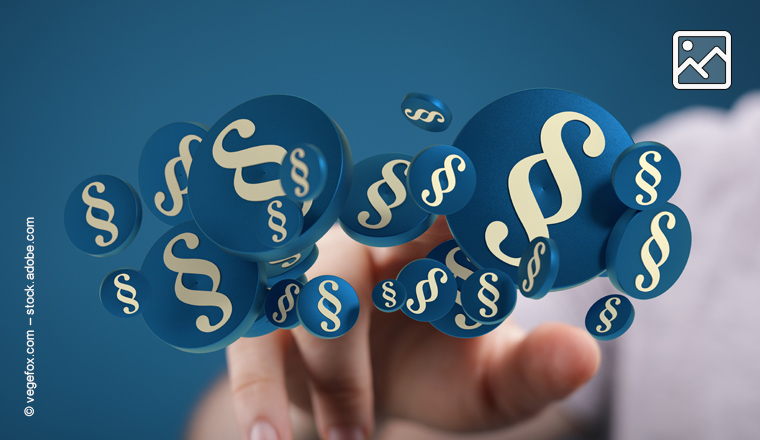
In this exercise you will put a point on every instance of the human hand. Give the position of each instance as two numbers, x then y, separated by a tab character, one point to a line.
389	365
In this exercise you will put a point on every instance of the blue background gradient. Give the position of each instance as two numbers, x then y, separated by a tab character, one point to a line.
84	85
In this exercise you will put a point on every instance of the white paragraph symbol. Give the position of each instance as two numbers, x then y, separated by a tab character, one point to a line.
274	214
420	290
332	299
129	300
212	298
376	200
451	179
103	225
643	184
300	172
488	302
290	290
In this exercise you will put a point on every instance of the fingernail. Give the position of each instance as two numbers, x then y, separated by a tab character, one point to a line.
345	434
263	431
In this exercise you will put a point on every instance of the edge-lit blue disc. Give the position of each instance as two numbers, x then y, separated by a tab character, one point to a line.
610	317
646	175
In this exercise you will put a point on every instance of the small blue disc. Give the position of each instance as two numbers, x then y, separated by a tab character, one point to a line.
280	304
125	293
441	179
648	250
164	166
102	215
236	172
431	289
489	296
203	298
456	323
539	265
389	295
303	173
610	317
426	112
544	159
327	307
379	211
646	175
292	267
278	222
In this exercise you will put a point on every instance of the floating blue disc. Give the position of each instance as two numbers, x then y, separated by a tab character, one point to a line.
539	265
303	173
610	317
125	293
379	211
441	179
280	304
102	215
328	307
456	323
279	222
236	172
426	112
203	298
389	295
646	175
648	251
292	267
431	289
164	166
543	159
489	296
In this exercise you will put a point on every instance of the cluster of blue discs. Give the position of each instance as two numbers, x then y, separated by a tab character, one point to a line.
247	199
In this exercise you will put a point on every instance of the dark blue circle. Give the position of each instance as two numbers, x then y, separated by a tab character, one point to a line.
282	122
632	238
541	283
309	166
125	293
614	327
427	178
337	321
456	323
480	311
396	295
505	133
422	278
109	221
382	178
278	222
280	304
641	188
426	112
163	170
181	324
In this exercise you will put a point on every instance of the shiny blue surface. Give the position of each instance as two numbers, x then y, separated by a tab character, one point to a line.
489	296
648	251
125	292
610	317
389	295
379	211
280	303
279	122
303	173
278	222
328	307
456	323
426	112
162	171
539	266
102	215
441	179
646	175
431	289
508	132
231	291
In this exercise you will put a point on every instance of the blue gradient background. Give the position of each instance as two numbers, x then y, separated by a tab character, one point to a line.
84	87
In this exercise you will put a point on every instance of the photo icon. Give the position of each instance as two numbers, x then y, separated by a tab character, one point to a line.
702	60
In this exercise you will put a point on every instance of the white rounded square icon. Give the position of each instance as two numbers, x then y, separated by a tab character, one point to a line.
702	60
